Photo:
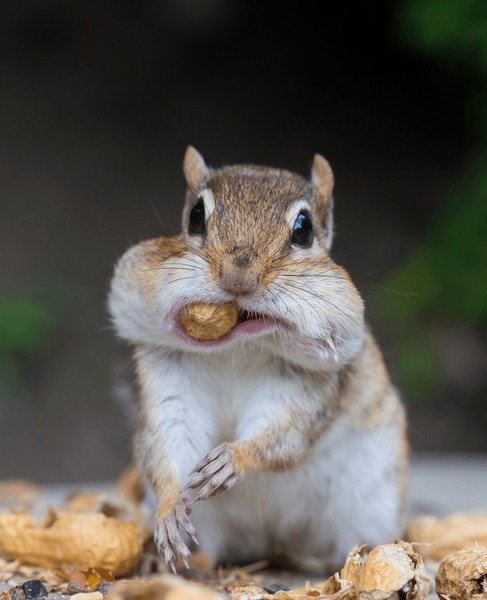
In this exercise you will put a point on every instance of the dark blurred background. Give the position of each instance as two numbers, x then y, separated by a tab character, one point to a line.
98	101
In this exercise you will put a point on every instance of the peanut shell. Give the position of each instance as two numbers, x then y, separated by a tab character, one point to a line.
438	537
87	539
169	587
463	574
385	571
206	322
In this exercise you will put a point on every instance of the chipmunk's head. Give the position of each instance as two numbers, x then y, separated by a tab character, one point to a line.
250	220
256	238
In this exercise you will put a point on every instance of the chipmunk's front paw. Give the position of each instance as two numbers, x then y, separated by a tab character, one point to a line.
216	473
167	534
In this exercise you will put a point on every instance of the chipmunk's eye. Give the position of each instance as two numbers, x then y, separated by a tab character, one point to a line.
302	231
197	218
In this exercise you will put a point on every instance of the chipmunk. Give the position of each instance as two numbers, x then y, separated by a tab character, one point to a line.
288	426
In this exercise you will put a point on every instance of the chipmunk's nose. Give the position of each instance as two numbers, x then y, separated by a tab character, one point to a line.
237	279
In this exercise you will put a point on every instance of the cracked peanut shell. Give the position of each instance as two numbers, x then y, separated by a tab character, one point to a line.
463	574
386	570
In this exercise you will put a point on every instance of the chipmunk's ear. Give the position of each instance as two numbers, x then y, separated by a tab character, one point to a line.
322	180
195	169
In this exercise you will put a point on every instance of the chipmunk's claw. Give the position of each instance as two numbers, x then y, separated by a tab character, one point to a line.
216	473
172	565
190	530
186	500
213	455
168	538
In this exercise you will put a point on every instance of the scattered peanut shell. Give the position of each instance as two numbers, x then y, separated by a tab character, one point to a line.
83	502
313	592
354	564
101	502
463	575
124	503
89	539
130	493
15	573
332	589
16	493
435	537
336	588
387	569
87	596
169	587
207	322
14	593
130	486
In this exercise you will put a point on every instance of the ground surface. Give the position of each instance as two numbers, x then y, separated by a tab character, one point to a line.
439	485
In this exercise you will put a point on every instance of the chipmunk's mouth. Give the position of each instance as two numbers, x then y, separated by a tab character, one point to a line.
244	315
249	324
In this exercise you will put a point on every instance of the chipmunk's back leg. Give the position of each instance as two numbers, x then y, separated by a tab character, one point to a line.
354	493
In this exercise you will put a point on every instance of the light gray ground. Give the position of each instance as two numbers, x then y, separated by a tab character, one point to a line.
439	484
442	484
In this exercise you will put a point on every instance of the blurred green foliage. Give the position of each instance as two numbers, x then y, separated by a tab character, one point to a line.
447	275
26	326
449	29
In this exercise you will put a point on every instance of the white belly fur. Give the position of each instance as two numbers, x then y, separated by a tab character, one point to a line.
345	493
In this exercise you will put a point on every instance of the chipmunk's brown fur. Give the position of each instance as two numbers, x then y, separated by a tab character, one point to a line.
295	404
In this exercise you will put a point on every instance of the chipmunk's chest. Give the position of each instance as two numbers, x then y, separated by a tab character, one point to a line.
214	397
232	385
217	397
